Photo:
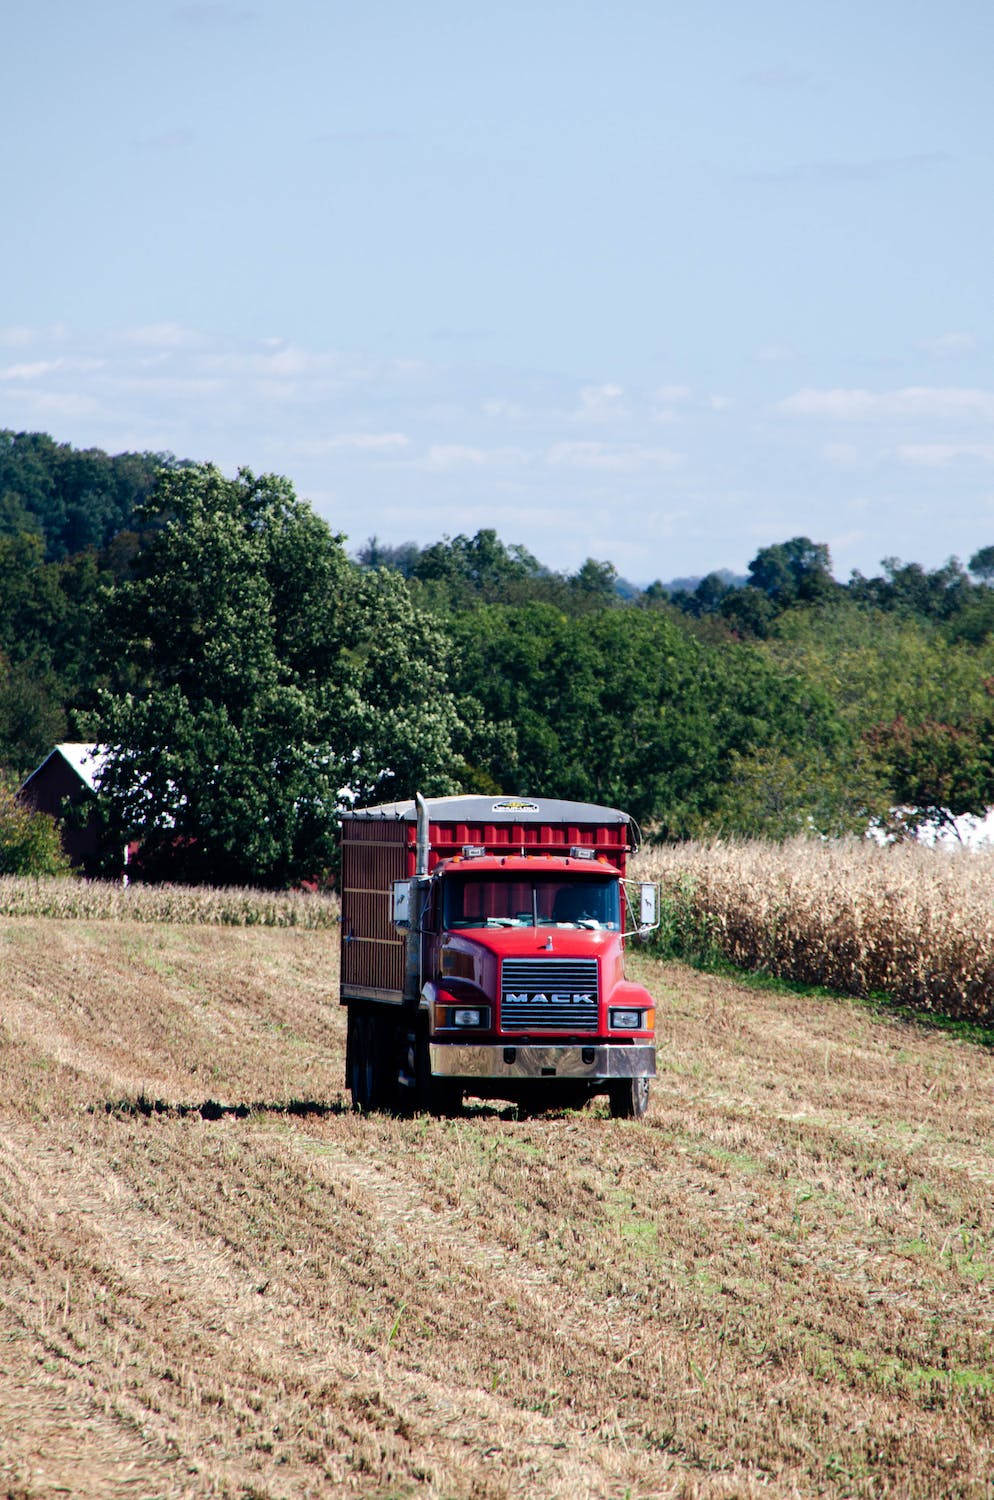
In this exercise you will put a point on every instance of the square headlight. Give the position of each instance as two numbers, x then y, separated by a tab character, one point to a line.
467	1016
626	1020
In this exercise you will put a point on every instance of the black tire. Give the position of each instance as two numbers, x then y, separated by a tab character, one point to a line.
434	1096
361	1062
371	1050
628	1098
446	1096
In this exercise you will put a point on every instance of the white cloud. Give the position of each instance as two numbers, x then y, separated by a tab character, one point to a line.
912	403
443	456
598	402
950	345
842	455
776	353
670	402
284	362
44	405
18	337
164	336
937	455
497	406
616	456
363	442
376	441
33	371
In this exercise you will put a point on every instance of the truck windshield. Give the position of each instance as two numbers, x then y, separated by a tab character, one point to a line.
512	901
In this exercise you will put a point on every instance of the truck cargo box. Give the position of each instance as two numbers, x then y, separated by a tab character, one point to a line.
379	844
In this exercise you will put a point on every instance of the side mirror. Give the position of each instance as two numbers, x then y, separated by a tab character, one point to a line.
642	903
400	904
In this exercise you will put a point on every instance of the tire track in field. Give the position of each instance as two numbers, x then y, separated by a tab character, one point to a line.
61	1431
120	1319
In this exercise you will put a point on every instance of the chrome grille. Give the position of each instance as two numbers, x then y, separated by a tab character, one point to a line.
548	994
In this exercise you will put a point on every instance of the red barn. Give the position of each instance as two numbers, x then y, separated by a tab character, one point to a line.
64	778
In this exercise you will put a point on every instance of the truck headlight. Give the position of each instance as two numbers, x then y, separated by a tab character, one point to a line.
626	1020
466	1016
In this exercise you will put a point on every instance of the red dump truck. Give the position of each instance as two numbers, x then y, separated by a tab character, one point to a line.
482	953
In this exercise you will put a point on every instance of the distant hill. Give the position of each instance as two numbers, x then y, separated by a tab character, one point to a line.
688	585
75	498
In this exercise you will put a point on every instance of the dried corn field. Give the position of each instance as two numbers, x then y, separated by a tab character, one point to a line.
106	900
217	1281
913	923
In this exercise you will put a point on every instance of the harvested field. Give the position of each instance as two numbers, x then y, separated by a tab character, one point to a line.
217	1281
914	923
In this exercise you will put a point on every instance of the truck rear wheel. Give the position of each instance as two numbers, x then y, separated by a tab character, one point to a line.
361	1062
371	1053
628	1098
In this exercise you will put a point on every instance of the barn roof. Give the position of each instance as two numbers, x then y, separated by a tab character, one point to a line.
86	760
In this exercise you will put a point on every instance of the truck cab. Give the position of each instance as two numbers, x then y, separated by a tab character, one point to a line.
513	983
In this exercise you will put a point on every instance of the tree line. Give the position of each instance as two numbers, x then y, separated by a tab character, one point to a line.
248	676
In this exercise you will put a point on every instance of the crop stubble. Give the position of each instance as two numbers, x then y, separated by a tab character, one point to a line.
216	1280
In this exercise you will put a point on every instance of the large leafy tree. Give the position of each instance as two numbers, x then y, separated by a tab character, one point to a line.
261	678
915	592
73	498
798	571
624	706
938	771
48	613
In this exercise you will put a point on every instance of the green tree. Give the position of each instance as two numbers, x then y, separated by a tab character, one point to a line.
29	840
460	572
32	718
878	664
624	706
376	554
265	676
798	571
909	589
595	583
74	498
938	771
48	614
981	564
780	791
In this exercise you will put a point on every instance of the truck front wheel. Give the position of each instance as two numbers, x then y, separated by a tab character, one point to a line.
628	1098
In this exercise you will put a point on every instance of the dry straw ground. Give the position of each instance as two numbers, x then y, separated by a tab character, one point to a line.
914	923
216	1281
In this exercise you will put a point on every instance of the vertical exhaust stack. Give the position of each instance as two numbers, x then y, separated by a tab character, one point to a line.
421	856
412	965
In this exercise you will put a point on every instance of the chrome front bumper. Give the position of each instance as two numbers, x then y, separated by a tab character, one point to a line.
487	1060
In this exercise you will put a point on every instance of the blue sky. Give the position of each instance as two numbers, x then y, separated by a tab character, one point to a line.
652	283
